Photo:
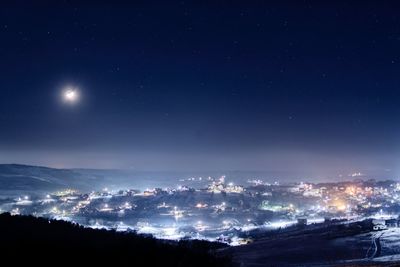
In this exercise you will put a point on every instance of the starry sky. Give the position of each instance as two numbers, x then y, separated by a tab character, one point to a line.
300	86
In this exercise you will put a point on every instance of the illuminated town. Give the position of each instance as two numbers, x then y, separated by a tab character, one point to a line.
200	133
221	210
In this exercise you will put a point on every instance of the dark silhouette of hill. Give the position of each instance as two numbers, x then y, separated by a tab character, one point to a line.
39	240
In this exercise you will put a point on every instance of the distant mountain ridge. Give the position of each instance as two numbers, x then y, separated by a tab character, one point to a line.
17	178
38	178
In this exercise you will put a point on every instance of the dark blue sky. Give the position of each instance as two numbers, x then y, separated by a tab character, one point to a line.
285	85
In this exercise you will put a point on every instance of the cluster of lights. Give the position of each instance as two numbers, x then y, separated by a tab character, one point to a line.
341	200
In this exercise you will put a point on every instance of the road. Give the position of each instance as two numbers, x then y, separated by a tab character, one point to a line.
375	245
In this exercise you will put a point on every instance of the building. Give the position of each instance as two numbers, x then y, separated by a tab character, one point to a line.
391	223
302	221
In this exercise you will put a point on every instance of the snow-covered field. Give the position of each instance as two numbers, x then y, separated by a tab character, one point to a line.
317	249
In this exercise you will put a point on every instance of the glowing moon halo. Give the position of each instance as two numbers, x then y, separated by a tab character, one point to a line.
70	95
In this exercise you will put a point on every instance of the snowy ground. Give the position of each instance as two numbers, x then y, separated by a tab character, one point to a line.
373	248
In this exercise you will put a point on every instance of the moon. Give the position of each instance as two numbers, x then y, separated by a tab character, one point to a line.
70	95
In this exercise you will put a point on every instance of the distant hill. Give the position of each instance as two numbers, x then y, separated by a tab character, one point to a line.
34	178
49	240
15	178
38	179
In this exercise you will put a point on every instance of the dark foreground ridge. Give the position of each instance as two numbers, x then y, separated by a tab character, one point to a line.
50	239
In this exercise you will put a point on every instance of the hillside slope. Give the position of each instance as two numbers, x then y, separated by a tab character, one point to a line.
26	235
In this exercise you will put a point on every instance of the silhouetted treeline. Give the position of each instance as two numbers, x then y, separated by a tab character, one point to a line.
39	240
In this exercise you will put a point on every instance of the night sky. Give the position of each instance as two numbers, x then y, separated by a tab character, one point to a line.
281	86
